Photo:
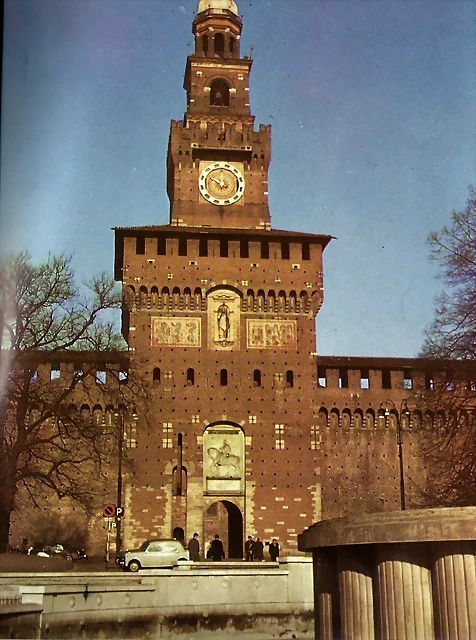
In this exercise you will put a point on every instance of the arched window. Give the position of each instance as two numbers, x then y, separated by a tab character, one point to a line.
165	297
156	375
281	300
219	45
289	378
232	46
198	298
205	45
257	378
187	295
219	93
176	296
179	481
261	300
154	297
271	301
250	296
190	377
223	377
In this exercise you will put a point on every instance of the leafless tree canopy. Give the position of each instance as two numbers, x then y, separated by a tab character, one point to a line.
58	433
451	450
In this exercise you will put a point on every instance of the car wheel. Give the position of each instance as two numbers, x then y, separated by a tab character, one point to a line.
182	559
69	558
134	566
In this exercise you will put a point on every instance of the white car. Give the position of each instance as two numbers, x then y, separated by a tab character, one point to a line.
153	553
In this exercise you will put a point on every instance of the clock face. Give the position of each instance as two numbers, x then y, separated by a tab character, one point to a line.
221	183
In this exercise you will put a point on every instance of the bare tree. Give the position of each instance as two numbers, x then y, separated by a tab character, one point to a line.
451	338
50	439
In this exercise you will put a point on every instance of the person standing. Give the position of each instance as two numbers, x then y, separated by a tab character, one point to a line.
216	549
194	548
258	550
249	549
274	550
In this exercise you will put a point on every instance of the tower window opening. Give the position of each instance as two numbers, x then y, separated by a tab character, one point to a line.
306	251
386	379
182	246
190	377
219	45
244	249
257	378
140	245
203	247
285	250
219	93
429	381
264	249
55	372
364	379
343	379
161	246
289	379
232	46
322	377
156	375
407	379
224	248
205	45
224	377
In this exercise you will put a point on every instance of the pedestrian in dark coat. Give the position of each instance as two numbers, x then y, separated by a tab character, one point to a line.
258	550
249	549
216	549
274	550
194	548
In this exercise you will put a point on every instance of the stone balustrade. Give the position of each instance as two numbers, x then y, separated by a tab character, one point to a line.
406	575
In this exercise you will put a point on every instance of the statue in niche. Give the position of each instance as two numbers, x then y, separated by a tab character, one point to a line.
223	463
223	321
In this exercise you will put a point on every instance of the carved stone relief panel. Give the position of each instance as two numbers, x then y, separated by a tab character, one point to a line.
271	334
175	332
223	459
224	307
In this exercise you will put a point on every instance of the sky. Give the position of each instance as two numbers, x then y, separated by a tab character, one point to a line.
372	107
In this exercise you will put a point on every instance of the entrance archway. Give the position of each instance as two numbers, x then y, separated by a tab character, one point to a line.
225	518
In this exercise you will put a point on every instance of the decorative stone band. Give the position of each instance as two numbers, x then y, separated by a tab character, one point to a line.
406	575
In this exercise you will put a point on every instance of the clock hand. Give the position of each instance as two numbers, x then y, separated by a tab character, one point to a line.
215	180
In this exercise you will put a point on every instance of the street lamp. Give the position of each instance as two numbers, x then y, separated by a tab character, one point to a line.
405	411
120	453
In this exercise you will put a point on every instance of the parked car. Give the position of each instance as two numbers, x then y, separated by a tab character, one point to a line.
153	553
59	550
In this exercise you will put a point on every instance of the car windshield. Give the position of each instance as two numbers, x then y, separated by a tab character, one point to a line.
144	546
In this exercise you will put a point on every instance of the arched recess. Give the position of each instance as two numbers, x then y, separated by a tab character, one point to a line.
225	519
179	534
219	93
346	418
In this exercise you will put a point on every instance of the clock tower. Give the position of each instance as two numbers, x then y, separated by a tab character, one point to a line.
219	314
217	165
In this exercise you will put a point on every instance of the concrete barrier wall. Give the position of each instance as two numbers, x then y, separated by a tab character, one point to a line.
266	600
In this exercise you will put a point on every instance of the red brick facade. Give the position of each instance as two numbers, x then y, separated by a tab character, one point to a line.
241	436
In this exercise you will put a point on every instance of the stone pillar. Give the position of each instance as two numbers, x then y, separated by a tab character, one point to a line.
324	594
454	588
404	584
356	596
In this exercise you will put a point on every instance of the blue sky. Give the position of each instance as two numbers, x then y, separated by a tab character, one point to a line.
372	108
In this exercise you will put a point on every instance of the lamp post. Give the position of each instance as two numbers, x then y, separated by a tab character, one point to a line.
403	410
120	445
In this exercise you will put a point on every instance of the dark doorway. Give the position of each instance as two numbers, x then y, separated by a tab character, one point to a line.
226	519
179	534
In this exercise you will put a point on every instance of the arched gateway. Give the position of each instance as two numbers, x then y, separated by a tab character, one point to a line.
225	518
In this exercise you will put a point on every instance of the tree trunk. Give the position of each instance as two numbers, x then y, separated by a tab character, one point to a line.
5	515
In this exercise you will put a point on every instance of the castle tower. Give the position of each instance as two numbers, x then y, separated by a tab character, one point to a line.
219	314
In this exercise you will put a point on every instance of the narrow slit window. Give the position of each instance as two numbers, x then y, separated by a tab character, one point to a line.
190	377
161	246
224	248
182	246
223	377
257	378
203	247
343	379
386	379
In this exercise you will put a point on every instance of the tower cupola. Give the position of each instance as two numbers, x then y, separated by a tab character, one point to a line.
217	29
